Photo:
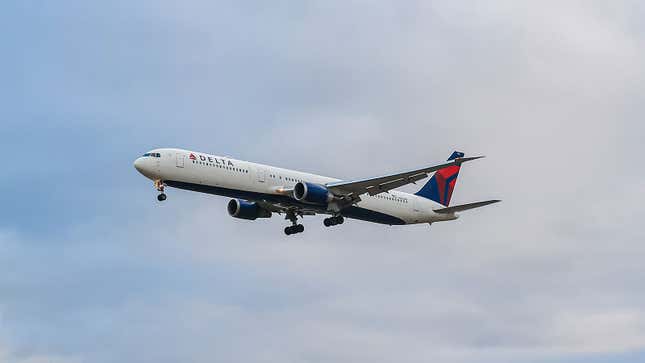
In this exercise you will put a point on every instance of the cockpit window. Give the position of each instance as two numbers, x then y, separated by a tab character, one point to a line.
154	155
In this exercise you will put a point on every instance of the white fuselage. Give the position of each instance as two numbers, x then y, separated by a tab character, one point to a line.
225	176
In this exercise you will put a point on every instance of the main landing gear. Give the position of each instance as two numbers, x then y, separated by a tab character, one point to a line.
160	187
332	221
295	228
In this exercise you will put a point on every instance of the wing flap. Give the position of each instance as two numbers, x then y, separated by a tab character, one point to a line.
463	207
393	184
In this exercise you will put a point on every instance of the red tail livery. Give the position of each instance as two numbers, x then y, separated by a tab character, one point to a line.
439	188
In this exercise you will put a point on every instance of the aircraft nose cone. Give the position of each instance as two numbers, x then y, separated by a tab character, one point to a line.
139	165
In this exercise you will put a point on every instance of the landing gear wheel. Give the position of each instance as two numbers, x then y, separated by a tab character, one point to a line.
332	221
160	187
295	227
298	228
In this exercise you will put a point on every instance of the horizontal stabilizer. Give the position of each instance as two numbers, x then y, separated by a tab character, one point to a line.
463	207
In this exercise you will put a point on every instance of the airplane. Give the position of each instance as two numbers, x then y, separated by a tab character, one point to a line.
259	191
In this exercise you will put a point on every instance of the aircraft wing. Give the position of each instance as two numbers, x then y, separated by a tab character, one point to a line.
382	184
285	207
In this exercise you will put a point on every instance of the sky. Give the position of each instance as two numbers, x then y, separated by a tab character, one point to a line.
94	269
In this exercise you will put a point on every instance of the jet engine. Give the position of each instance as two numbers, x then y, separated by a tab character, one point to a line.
312	193
238	208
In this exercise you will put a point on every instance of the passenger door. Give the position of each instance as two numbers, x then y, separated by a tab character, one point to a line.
261	175
180	160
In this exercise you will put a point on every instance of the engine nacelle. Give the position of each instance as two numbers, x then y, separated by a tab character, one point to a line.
312	193
238	208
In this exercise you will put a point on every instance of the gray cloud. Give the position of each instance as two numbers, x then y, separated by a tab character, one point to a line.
550	92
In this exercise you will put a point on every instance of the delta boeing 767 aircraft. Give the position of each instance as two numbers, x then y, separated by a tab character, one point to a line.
261	190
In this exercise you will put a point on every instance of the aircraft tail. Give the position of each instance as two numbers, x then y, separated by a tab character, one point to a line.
440	187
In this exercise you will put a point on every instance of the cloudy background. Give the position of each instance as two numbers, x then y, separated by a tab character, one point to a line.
93	269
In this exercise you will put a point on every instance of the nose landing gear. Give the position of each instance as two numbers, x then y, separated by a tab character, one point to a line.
160	188
332	221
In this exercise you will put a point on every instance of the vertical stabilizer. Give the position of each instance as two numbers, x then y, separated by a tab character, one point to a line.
440	187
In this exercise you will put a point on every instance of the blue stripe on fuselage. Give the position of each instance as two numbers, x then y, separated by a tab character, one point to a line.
349	212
